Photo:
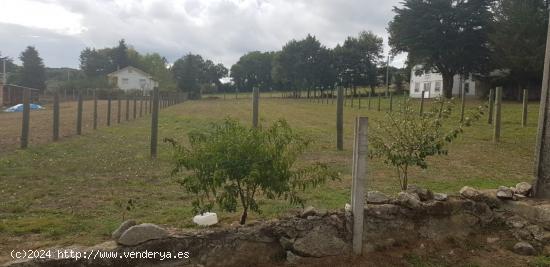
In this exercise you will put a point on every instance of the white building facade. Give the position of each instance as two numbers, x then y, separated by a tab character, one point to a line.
432	84
131	78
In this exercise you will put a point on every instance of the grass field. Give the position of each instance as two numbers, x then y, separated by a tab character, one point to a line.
70	192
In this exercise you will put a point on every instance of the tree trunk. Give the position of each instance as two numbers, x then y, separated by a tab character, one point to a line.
448	85
243	216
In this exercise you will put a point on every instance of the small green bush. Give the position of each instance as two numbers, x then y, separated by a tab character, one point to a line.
232	164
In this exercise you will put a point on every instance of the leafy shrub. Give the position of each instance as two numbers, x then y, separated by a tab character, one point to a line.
232	164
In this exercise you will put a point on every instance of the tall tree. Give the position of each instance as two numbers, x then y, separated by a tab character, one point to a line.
253	70
518	40
33	71
300	64
192	73
357	59
95	63
188	72
447	36
10	67
120	55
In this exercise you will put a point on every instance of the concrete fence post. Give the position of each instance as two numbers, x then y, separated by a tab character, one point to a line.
491	106
524	112
255	106
391	102
118	109
369	100
135	106
151	103
359	175
140	106
26	118
95	110
56	116
109	109
352	96
422	103
127	107
497	119
79	115
462	105
340	119
154	123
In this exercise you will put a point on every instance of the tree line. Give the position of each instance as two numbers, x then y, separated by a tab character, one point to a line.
307	64
501	42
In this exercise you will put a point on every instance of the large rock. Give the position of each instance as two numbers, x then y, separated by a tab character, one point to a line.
122	228
441	197
409	200
309	211
141	233
504	192
376	197
523	188
524	248
321	242
423	193
470	193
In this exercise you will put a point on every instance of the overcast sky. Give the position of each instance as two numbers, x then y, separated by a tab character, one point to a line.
221	30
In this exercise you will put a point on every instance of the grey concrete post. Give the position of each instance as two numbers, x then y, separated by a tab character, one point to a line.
255	106
154	123
491	106
79	115
26	118
359	175
542	145
95	110
56	116
340	119
524	112
498	107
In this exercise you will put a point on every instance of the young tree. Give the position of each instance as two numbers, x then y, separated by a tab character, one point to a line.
32	74
232	164
405	139
447	36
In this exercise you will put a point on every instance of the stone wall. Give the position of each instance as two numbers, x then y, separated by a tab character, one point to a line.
409	217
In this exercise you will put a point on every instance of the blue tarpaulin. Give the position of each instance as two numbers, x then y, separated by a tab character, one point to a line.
19	108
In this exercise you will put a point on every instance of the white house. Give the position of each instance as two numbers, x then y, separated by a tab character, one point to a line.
432	84
131	78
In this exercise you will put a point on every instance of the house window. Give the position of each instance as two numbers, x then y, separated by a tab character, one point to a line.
437	86
467	88
124	80
417	87
427	86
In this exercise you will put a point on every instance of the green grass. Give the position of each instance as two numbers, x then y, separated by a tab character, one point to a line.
67	192
540	261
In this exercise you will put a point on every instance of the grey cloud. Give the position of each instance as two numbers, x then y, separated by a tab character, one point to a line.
221	30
